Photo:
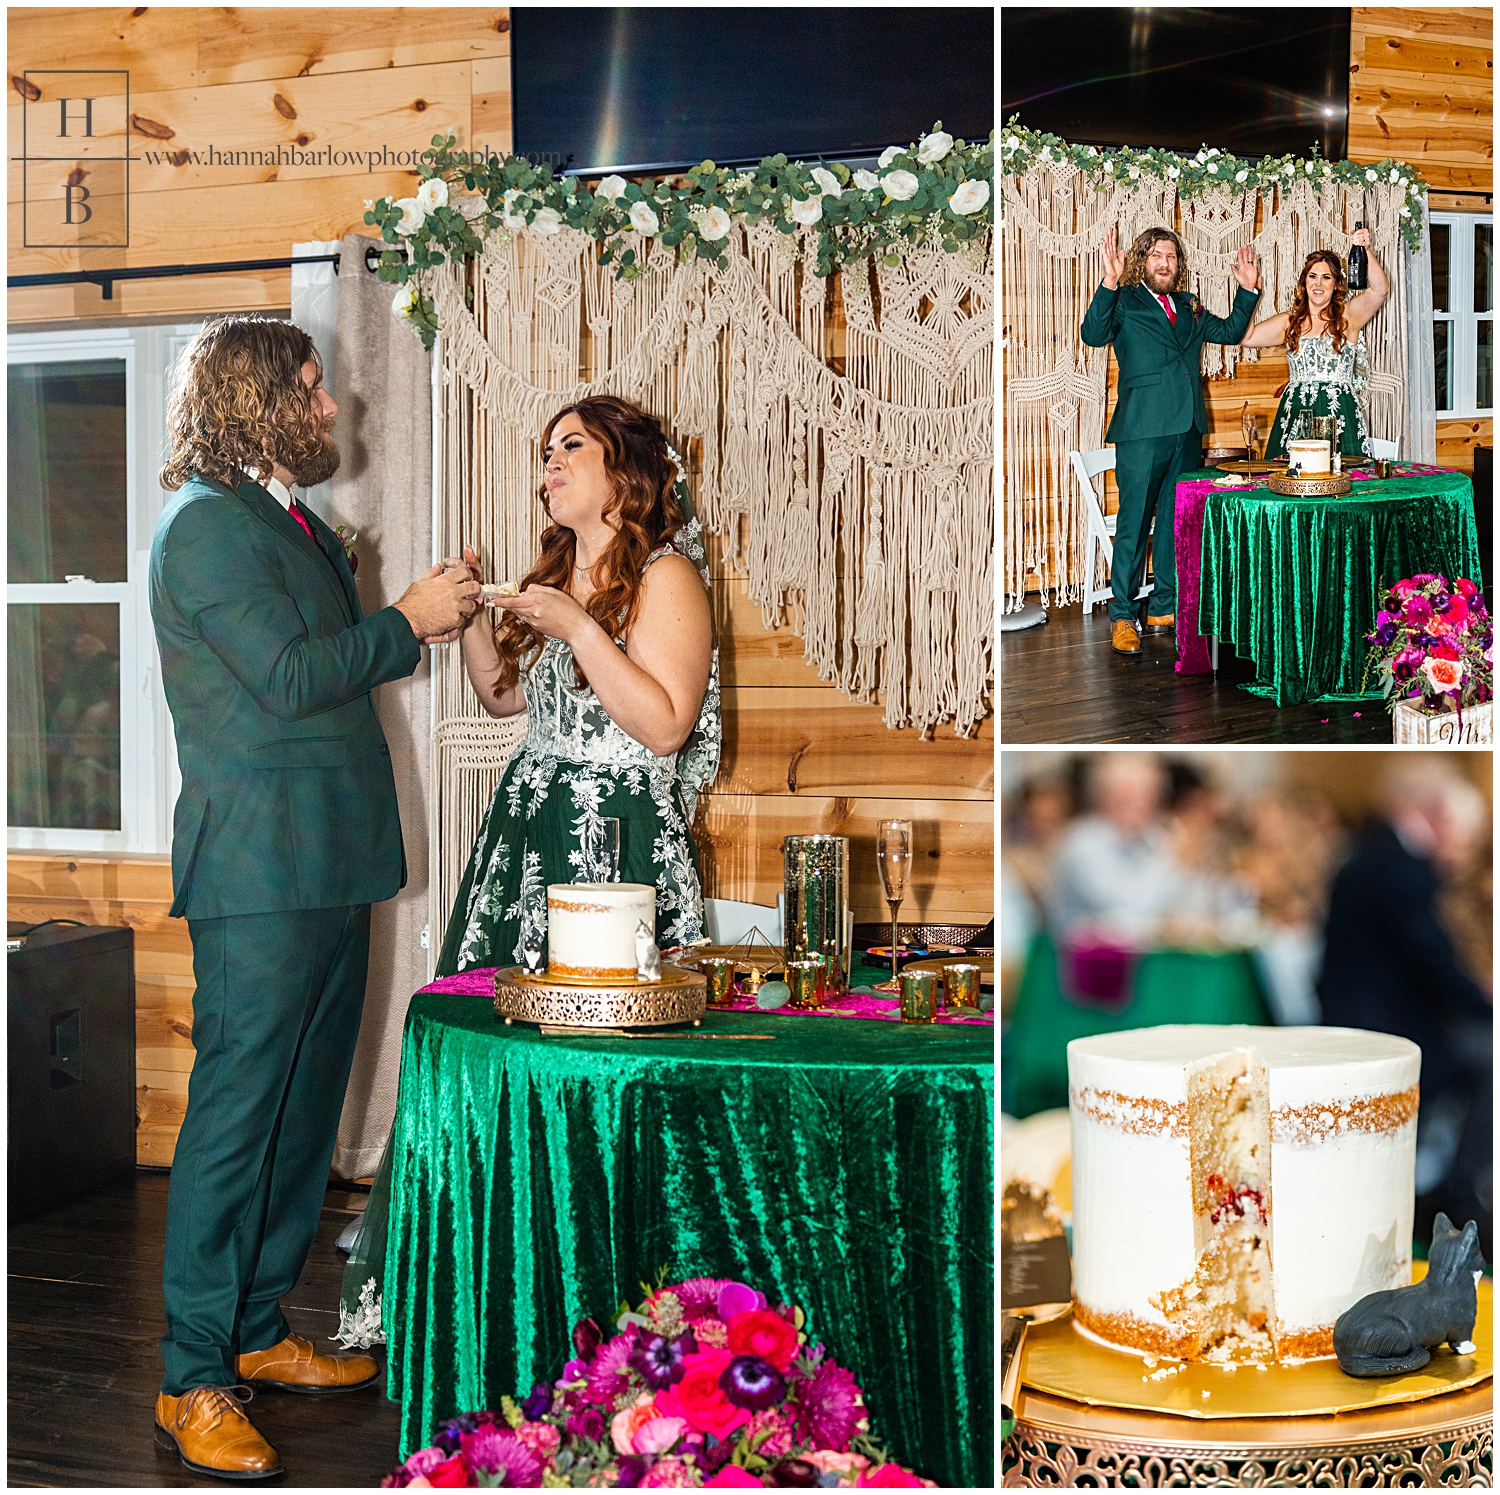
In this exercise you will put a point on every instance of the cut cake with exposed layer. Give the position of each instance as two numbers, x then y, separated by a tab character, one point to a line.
1236	1188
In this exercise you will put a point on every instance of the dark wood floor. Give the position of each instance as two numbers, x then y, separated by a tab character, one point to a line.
85	1315
1061	682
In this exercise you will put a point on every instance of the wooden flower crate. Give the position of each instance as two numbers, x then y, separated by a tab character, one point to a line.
1413	726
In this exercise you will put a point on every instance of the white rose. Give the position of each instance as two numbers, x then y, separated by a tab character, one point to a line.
1291	168
1212	169
1395	176
1135	171
1045	154
1310	166
1173	172
547	221
827	181
643	220
1406	212
714	224
1109	168
970	197
433	193
612	187
1240	176
900	186
1328	171
471	207
934	147
807	211
1215	151
508	215
1011	143
1371	176
866	180
412	215
890	153
406	299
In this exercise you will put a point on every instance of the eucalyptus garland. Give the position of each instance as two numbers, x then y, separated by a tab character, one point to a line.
1211	169
934	193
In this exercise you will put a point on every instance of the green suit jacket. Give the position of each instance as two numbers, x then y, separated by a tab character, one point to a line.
288	800
1161	386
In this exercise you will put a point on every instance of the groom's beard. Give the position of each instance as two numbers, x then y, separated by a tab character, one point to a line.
320	466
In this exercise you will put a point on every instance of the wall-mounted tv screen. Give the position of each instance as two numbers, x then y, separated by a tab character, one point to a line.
1255	82
600	89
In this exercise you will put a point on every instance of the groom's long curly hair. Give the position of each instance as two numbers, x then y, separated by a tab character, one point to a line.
1134	273
238	403
647	513
1335	313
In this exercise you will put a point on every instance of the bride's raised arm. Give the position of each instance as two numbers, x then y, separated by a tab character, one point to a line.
482	653
1267	334
1362	305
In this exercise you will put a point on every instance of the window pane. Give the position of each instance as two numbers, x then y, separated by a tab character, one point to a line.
1484	373
1440	267
1484	268
66	439
1442	361
64	715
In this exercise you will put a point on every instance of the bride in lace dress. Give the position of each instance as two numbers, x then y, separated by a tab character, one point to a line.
1325	352
608	648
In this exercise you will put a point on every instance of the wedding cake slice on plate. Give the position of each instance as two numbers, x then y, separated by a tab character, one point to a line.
1235	1189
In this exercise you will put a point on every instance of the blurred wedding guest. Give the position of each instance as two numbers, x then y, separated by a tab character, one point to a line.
1113	873
1035	816
1388	964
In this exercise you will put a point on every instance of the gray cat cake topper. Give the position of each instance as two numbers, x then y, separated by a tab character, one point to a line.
1389	1333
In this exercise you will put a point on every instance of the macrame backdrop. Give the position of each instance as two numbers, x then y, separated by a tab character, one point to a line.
1052	263
857	498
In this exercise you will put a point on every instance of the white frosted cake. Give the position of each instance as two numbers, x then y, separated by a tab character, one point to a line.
591	928
1235	1189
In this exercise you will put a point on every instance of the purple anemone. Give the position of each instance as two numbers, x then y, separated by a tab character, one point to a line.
749	1382
659	1359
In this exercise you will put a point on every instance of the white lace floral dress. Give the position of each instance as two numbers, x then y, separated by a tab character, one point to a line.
574	767
1324	381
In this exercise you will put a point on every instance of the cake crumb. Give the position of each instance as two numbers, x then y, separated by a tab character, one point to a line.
1205	1395
1151	1362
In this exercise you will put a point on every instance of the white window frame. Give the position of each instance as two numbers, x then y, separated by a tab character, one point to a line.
1461	317
149	777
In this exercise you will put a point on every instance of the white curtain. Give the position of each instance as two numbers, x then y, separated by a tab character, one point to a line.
1421	383
315	302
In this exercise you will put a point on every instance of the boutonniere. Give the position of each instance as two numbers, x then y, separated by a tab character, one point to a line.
347	537
1195	306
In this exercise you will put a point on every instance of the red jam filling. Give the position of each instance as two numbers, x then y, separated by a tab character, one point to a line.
1231	1200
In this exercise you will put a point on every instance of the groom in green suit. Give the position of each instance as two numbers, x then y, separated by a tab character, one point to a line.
285	832
1158	330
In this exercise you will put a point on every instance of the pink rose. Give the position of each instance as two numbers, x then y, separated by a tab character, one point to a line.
732	1474
698	1399
888	1477
765	1334
1446	675
658	1435
454	1472
826	1461
623	1425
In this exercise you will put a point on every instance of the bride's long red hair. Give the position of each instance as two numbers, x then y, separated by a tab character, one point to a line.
1335	313
635	457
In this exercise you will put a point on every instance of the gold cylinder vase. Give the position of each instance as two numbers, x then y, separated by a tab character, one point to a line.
816	876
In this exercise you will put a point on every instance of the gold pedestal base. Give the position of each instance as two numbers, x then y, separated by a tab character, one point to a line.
679	997
1442	1441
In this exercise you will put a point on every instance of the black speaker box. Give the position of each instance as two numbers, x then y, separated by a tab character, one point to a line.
71	993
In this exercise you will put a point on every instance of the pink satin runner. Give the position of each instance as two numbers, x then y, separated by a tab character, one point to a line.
876	1007
1193	657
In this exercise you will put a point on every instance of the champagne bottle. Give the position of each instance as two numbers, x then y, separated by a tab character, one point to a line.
1359	265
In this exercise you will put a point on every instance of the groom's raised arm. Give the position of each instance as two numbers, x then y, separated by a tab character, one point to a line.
1100	321
1232	329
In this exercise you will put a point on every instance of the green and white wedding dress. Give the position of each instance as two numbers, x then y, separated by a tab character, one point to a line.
1324	381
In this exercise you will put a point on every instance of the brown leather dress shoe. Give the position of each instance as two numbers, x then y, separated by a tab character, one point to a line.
1123	638
208	1428
294	1365
1167	623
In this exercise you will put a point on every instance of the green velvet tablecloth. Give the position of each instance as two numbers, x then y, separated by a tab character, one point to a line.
848	1167
1164	986
1294	583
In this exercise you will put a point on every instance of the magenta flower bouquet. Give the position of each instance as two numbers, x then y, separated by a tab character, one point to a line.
1433	645
704	1385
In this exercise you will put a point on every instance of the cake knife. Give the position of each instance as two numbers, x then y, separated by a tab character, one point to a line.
1036	1280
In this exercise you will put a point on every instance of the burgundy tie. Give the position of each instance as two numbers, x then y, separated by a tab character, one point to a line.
1169	308
301	519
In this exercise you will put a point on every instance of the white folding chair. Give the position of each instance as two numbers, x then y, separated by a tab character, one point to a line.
1101	531
1383	451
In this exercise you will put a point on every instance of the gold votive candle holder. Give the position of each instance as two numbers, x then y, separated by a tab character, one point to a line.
719	972
919	996
960	987
805	977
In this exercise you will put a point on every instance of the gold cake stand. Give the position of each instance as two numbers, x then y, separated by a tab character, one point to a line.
565	1002
1323	486
1091	1415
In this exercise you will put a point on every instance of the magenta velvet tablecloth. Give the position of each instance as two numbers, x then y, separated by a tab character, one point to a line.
1193	657
480	982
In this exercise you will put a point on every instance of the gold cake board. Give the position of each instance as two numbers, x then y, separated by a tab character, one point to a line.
570	1002
1087	1410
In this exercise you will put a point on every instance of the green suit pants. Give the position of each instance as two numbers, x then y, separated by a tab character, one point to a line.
1146	475
275	1019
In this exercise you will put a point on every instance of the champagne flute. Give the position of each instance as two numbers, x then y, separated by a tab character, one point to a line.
604	849
893	855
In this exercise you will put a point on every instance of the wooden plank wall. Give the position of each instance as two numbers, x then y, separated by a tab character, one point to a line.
1420	90
798	755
